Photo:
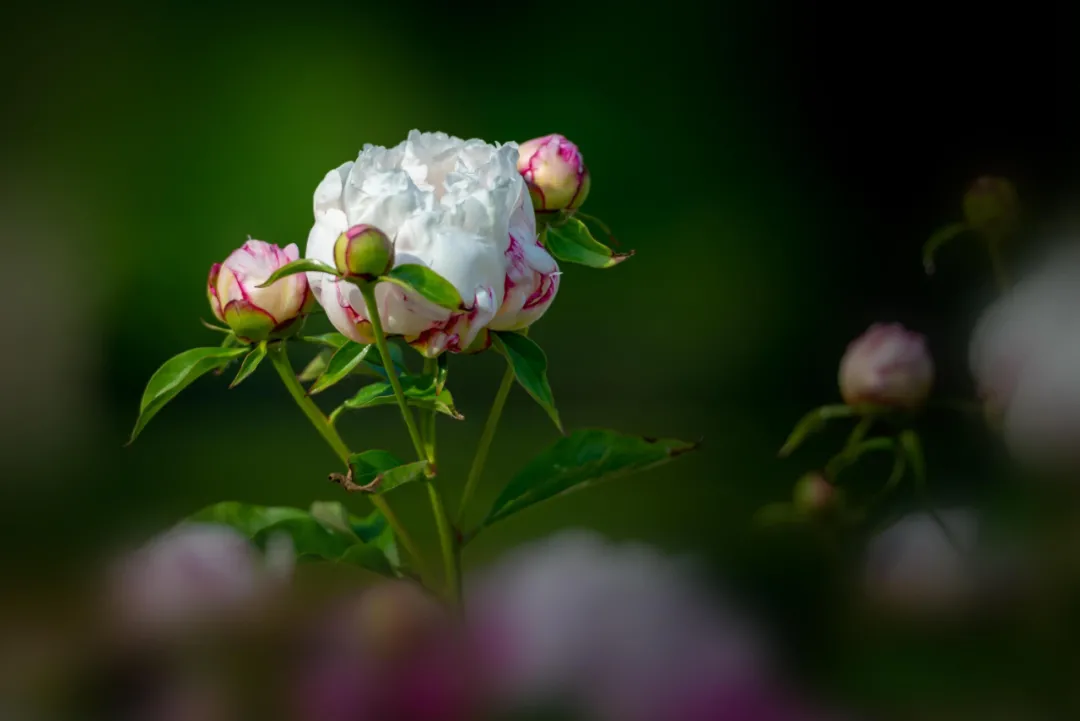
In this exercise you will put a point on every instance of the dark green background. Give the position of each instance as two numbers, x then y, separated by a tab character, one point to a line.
776	167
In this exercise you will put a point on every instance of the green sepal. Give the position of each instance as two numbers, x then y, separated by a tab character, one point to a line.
571	242
303	265
251	362
427	283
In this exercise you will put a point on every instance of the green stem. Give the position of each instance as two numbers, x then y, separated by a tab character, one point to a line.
368	292
280	358
486	438
428	419
442	521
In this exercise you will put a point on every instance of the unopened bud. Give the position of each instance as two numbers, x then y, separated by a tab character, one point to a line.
363	251
991	206
814	495
555	173
888	366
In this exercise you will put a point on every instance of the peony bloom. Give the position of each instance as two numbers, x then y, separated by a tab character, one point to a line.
616	632
254	313
458	207
555	173
196	574
1024	354
913	564
886	366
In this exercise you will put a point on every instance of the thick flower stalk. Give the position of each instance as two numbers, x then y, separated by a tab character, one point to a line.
555	173
458	207
887	366
256	314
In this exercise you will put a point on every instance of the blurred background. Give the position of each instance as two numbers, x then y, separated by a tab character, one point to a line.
776	167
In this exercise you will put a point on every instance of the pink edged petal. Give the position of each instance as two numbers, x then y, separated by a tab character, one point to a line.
212	293
292	252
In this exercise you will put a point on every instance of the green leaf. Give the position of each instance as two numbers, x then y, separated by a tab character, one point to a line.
382	471
376	531
419	393
343	362
330	340
582	459
251	362
530	368
175	375
426	282
373	365
316	367
303	265
573	243
314	539
811	423
938	239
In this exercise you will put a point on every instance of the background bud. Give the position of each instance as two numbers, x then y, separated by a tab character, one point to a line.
991	205
555	173
255	313
363	251
887	366
813	495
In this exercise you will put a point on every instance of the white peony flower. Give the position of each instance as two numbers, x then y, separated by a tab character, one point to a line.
458	207
1025	358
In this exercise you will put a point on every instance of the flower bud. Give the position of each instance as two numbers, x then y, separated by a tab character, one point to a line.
554	172
363	251
887	366
814	495
256	314
991	205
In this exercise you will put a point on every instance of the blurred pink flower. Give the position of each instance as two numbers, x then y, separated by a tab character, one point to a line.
617	632
887	365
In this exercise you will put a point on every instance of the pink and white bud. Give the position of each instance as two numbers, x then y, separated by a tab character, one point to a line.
198	574
458	207
255	313
887	366
555	173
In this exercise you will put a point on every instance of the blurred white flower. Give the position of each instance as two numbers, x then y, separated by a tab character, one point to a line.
915	565
887	365
458	207
198	573
619	632
1025	358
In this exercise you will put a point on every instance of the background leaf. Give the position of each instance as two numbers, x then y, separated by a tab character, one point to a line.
579	460
303	265
573	243
530	368
251	362
426	282
341	364
314	538
175	375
